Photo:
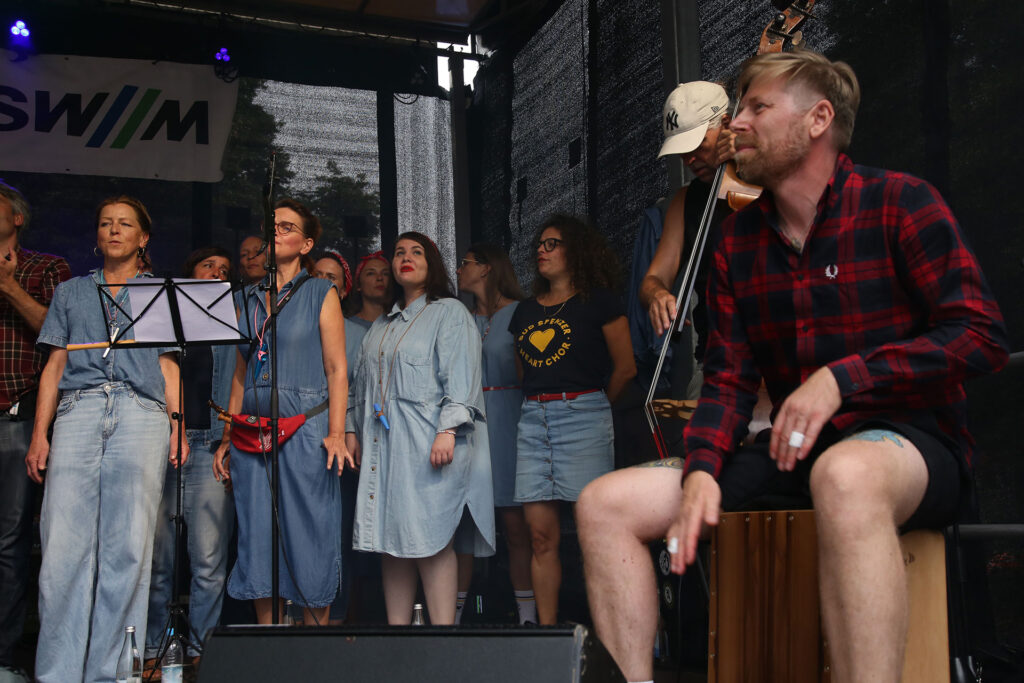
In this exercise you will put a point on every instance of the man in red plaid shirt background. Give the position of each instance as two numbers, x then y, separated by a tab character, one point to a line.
27	281
852	293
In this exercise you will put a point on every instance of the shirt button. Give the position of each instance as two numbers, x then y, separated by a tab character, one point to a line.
805	328
375	440
373	469
266	376
800	276
371	496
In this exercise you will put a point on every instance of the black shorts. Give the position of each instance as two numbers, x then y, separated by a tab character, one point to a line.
751	481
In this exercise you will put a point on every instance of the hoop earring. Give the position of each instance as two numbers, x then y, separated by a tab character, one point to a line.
96	251
142	252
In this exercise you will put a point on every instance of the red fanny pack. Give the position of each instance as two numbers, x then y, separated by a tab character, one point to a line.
252	435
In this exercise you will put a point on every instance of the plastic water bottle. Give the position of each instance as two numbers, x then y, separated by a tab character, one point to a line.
173	661
129	664
288	618
417	614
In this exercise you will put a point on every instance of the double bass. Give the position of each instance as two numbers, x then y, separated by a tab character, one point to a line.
782	32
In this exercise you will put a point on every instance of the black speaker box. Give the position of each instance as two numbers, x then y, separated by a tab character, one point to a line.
406	654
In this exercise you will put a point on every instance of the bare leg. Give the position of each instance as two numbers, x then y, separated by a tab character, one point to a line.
398	575
440	578
862	491
617	515
311	616
263	610
518	536
546	567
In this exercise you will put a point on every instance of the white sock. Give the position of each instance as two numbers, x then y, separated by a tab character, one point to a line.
527	606
460	602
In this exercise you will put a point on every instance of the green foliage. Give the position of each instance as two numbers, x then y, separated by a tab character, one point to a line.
247	156
347	208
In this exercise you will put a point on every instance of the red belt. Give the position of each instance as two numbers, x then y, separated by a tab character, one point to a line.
565	395
499	388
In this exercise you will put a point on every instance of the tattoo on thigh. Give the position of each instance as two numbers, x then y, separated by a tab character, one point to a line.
877	435
675	463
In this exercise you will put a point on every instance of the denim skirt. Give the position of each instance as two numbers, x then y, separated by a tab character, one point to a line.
563	445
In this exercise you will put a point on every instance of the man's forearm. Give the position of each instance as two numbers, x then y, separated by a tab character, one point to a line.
33	312
649	288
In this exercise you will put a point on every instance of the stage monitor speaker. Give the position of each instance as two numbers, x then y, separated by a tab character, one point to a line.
406	654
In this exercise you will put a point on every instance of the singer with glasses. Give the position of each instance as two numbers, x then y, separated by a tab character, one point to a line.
207	505
312	371
425	478
105	465
575	357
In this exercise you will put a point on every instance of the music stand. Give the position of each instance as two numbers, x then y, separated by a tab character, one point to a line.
182	313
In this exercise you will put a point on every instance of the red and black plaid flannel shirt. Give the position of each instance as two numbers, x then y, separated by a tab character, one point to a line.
886	293
20	361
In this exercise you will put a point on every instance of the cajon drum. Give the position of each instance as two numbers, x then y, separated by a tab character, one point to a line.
765	624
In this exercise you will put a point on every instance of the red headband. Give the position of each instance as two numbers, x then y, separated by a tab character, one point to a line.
378	255
331	253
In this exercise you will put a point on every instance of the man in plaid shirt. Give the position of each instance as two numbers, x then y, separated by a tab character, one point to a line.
852	292
27	281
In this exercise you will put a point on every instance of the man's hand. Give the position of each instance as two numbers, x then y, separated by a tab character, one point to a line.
662	310
725	147
802	416
702	499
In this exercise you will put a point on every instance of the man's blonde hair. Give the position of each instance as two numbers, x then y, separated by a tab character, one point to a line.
835	81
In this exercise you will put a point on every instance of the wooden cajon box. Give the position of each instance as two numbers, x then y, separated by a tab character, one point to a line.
765	624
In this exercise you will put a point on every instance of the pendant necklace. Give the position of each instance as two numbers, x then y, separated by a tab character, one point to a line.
382	386
112	325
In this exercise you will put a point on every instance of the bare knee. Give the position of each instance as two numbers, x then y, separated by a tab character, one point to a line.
849	490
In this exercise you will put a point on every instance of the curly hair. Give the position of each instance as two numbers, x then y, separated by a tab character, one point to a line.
591	262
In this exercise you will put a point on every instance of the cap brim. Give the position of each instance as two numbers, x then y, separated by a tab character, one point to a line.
681	143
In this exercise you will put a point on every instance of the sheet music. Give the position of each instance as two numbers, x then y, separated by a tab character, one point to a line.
201	318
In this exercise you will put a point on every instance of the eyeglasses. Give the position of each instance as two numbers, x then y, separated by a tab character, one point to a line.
549	244
467	261
285	228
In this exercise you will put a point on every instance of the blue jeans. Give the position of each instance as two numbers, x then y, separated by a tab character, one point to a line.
208	511
16	491
103	484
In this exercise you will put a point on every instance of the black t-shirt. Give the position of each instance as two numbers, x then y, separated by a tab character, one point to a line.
562	347
197	371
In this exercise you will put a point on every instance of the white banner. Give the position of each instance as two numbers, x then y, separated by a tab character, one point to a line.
119	117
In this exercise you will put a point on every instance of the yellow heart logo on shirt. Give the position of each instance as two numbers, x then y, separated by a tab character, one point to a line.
542	339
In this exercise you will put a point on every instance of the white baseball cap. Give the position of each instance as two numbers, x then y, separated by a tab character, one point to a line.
688	111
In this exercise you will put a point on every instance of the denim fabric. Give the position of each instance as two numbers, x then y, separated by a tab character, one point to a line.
103	485
562	446
310	496
16	491
503	405
76	316
208	511
431	364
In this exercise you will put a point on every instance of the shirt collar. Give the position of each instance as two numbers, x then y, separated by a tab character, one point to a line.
412	309
832	194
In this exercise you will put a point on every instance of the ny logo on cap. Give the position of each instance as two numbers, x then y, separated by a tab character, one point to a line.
671	120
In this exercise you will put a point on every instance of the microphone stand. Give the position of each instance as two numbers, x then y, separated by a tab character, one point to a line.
270	233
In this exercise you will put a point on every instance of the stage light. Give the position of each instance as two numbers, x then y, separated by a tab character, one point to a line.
19	28
222	55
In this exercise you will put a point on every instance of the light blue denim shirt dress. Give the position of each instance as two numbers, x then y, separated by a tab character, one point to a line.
405	507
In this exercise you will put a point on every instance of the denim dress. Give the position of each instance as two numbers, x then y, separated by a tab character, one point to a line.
310	497
503	398
425	359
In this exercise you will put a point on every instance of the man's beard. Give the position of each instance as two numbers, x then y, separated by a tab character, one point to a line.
766	166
